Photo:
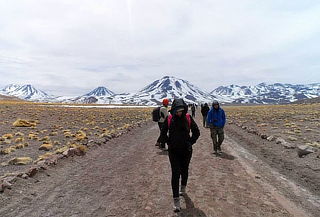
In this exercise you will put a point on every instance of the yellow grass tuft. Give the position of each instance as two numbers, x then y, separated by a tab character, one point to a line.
46	138
80	135
18	140
20	161
53	134
24	123
43	131
7	136
61	150
68	134
56	143
81	148
46	146
291	138
19	134
314	144
7	150
44	156
21	145
33	136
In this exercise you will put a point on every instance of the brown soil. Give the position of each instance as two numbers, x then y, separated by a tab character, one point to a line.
129	176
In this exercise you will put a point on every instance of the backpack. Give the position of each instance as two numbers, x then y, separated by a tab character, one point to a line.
187	116
156	114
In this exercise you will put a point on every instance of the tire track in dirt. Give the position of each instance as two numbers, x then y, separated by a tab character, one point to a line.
274	182
129	176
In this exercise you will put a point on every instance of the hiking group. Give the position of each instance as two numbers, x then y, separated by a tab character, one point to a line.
175	126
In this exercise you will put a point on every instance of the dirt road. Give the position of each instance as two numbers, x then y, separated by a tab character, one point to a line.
129	176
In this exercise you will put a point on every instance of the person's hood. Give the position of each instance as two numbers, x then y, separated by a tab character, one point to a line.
216	103
178	103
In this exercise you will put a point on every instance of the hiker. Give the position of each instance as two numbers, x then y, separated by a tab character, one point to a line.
163	115
204	111
178	124
216	120
193	110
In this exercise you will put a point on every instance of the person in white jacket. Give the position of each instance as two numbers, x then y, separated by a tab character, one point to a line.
163	116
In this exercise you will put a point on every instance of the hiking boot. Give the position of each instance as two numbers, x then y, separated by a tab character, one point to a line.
157	144
176	204
182	190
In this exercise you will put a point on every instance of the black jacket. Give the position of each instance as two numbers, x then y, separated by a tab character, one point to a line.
179	131
204	110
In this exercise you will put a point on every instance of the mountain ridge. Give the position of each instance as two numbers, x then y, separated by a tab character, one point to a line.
264	93
172	87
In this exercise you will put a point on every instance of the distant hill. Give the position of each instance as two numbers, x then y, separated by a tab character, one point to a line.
9	98
307	101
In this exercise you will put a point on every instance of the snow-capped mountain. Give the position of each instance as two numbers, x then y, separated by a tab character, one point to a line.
100	91
171	88
27	92
166	87
267	93
99	95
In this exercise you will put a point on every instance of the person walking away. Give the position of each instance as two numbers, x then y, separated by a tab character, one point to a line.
216	120
178	125
193	110
204	111
163	115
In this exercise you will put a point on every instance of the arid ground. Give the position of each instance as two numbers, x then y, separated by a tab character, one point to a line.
121	173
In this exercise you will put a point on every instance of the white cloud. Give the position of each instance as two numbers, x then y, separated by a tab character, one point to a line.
69	47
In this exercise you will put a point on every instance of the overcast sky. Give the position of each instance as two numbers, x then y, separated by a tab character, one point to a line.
68	47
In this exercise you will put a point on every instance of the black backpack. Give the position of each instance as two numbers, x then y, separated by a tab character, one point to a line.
156	114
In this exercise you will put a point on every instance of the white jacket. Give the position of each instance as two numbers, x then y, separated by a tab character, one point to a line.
163	114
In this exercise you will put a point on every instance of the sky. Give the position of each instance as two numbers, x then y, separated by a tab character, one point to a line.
69	47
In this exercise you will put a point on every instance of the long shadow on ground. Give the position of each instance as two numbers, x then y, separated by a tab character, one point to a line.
162	153
226	156
191	210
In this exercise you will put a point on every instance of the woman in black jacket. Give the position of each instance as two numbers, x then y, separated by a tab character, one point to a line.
179	124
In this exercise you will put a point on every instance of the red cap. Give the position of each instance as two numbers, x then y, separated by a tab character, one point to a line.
165	102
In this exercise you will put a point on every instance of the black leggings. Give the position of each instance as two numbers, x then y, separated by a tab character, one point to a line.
179	160
162	145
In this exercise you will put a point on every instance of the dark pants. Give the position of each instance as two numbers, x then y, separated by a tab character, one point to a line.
179	161
217	135
162	145
204	120
193	114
